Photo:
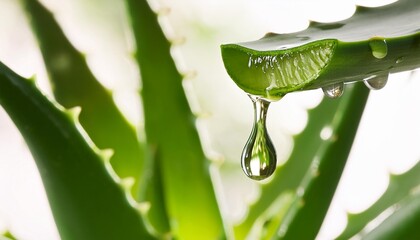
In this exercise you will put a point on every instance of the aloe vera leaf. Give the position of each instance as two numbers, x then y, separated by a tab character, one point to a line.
402	224
170	129
7	236
399	187
375	41
288	176
273	216
87	201
317	189
156	215
75	85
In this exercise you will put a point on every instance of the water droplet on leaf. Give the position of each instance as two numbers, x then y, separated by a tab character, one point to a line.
259	158
376	82
334	90
379	47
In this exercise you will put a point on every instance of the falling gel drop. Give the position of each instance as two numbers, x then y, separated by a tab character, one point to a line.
258	158
378	47
376	82
334	90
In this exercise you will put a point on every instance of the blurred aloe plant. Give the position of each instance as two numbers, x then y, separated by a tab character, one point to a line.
111	185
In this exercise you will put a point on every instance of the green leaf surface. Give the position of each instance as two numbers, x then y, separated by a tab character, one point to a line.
399	187
75	85
402	224
7	236
317	189
153	193
374	42
170	129
86	200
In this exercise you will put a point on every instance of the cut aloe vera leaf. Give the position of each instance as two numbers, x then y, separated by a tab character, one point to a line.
188	191
375	41
75	85
87	200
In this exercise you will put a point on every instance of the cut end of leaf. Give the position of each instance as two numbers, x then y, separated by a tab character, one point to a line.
272	74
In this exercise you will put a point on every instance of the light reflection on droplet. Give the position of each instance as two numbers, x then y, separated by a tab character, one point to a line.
376	82
258	158
334	90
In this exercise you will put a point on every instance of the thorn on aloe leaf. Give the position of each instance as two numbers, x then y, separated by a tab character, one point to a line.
202	114
106	155
163	11
32	78
127	183
74	113
188	75
216	159
143	207
177	41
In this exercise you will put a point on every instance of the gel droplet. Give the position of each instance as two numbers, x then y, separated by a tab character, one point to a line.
258	158
399	60
376	82
379	47
334	90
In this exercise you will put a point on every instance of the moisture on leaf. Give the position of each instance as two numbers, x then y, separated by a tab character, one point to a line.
374	42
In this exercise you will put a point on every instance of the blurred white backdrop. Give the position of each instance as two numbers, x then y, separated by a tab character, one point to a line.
386	142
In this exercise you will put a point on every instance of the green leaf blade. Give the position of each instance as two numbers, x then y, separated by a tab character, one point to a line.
7	236
399	187
402	224
85	200
170	128
74	85
318	186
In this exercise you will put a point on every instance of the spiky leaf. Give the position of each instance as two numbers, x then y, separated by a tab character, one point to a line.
317	188
403	224
374	42
171	131
75	85
399	187
87	202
